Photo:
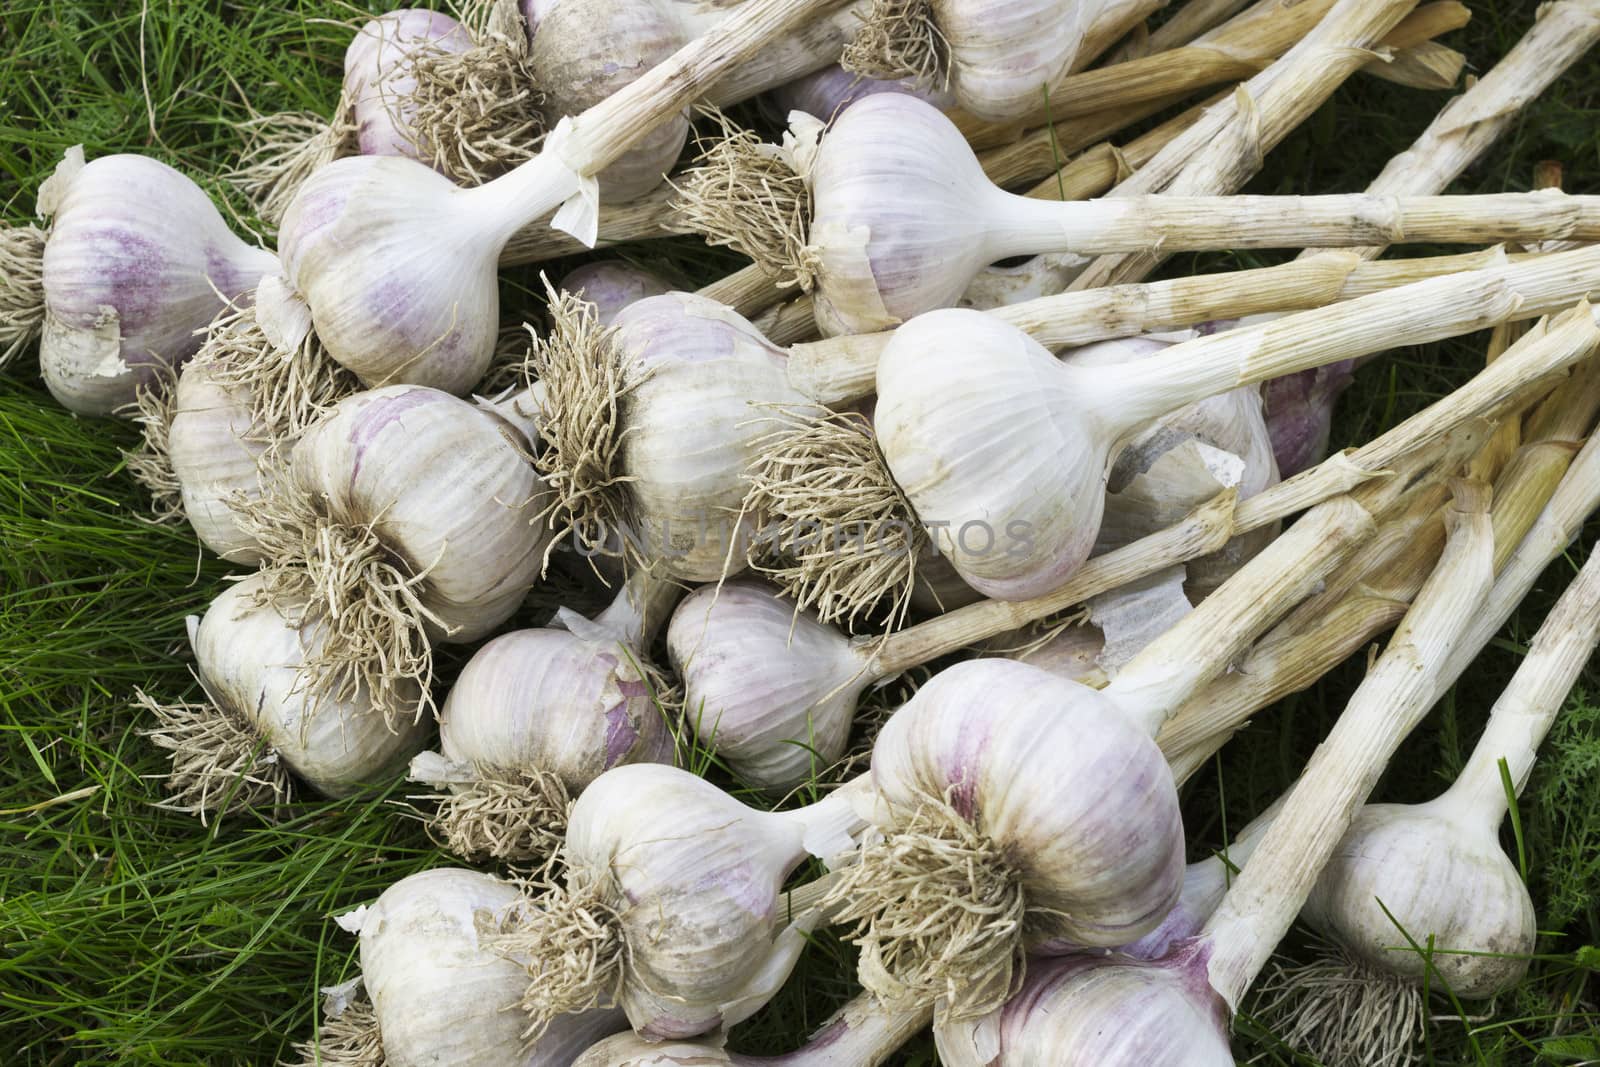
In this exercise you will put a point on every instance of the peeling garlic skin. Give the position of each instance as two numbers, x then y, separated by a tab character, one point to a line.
1057	775
1101	1011
378	75
394	267
772	691
1439	877
549	699
137	261
440	995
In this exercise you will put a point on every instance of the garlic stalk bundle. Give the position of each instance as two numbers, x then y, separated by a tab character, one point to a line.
773	691
1175	1009
433	991
671	906
995	61
373	116
258	724
1019	808
405	516
903	218
135	261
1010	452
863	1033
536	715
650	424
395	266
611	285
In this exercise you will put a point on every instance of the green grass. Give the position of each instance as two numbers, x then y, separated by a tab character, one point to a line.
132	935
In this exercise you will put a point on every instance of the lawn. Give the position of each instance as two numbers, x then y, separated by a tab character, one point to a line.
132	934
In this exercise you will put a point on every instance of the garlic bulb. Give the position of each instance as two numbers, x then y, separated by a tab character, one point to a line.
826	92
861	1034
672	903
769	688
680	396
439	993
611	285
1098	1010
380	76
405	516
536	715
233	752
215	447
903	217
1299	413
137	260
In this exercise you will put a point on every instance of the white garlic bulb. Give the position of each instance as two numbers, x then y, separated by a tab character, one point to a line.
260	717
440	994
827	92
379	78
137	260
215	449
673	897
1094	1011
611	285
1442	875
409	516
536	715
770	689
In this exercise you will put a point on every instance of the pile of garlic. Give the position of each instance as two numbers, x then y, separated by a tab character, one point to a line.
947	574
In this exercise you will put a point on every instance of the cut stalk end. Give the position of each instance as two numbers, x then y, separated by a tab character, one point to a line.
900	39
372	641
518	816
585	387
837	534
939	914
220	765
21	289
150	464
349	1039
570	941
1340	1011
476	114
746	194
281	151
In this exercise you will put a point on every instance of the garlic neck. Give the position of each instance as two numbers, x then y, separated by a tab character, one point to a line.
864	1033
829	825
1022	226
524	195
643	604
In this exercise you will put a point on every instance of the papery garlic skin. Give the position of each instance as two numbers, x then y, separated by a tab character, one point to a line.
215	450
1057	776
248	654
697	375
1100	1011
379	76
446	486
697	879
569	705
138	259
1072	653
1442	876
611	285
771	690
390	326
440	994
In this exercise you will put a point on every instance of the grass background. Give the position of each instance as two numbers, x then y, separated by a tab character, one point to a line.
131	935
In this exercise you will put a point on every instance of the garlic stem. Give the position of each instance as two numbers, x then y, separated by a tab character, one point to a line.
644	605
1396	694
864	1033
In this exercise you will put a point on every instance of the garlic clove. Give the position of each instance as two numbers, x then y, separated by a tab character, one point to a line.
379	77
767	687
425	243
1445	880
441	994
138	258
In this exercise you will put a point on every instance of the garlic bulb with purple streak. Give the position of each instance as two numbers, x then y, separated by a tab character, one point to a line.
536	715
258	722
826	92
406	516
379	76
611	285
137	259
438	993
672	903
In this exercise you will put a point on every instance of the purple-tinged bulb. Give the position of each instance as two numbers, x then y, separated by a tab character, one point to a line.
379	76
1101	1011
827	92
611	285
137	261
1299	414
